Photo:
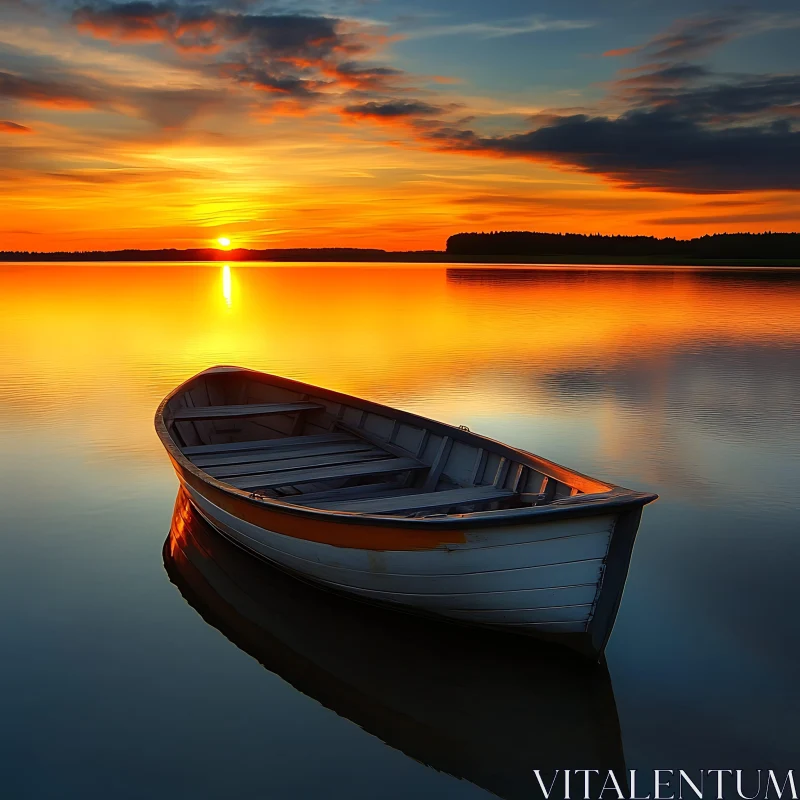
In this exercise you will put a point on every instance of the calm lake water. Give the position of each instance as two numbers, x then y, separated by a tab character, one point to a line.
132	669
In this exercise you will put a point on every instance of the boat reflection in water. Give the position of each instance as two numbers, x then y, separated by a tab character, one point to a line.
483	706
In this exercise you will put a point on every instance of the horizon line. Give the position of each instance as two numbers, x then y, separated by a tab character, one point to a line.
349	249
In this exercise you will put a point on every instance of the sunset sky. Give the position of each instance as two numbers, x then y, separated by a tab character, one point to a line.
379	123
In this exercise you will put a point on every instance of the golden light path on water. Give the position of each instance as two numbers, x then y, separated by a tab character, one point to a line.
226	285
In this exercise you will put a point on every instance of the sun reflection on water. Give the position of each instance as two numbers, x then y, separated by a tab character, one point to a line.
226	285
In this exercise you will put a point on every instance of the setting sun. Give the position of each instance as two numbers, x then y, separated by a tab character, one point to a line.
224	241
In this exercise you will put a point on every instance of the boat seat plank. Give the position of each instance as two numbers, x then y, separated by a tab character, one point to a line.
277	453
265	444
348	492
351	493
378	441
240	412
303	462
292	477
428	501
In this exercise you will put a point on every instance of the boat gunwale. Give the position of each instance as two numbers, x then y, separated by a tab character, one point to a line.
613	499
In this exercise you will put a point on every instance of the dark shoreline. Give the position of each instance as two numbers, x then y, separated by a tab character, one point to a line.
499	247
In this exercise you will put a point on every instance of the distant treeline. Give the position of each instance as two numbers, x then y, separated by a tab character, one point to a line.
207	254
715	246
498	247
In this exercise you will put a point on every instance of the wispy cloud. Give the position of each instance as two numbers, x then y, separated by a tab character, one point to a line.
727	219
493	30
13	127
698	35
693	37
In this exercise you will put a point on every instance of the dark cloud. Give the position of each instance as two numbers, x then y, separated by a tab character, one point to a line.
652	150
750	96
297	56
262	79
393	109
13	127
290	37
681	127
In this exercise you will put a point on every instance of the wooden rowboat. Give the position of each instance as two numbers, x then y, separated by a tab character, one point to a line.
476	704
396	508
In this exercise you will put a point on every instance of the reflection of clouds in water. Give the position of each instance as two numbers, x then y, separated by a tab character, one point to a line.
715	423
741	391
747	391
625	385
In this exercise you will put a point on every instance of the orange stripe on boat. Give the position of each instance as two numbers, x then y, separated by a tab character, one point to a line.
334	532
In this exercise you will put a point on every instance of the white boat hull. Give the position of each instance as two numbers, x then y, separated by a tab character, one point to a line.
398	509
544	577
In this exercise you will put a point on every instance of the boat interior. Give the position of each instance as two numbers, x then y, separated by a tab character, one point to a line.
327	451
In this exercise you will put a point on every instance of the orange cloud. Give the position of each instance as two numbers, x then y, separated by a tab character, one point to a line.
148	22
622	51
353	75
13	127
101	29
